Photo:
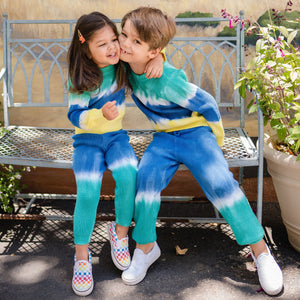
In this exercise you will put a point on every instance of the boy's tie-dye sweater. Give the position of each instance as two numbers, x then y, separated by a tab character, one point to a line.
85	111
172	103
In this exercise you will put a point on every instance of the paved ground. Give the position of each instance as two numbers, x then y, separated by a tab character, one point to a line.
36	260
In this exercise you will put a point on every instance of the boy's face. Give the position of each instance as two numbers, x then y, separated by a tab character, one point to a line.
133	50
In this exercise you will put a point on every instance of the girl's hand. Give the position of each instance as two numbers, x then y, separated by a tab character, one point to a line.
154	68
110	110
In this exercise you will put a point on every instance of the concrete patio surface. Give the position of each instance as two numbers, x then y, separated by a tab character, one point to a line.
36	260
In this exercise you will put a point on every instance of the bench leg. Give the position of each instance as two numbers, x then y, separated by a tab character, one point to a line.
28	206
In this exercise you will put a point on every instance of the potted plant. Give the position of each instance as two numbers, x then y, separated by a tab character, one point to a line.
10	183
273	77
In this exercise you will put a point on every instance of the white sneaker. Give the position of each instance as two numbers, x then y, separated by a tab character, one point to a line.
269	273
139	265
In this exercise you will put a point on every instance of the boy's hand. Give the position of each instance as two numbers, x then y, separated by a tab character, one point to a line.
154	68
110	110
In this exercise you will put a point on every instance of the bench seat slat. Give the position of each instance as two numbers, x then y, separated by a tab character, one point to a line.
52	147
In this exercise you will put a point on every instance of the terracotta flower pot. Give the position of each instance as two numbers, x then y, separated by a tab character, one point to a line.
285	172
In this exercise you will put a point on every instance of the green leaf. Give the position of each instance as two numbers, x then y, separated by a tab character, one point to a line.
291	36
271	39
278	115
259	45
274	123
295	136
250	104
252	62
253	108
281	133
271	63
239	83
293	76
242	91
284	31
295	132
297	146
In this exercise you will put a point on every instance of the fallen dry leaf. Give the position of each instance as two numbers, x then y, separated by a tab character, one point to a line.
180	251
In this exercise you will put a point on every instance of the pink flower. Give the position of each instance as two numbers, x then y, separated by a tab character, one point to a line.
270	70
230	24
242	25
282	53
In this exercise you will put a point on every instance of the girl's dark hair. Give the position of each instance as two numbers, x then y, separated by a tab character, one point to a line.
83	73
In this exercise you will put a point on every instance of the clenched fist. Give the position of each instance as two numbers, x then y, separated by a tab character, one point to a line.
109	110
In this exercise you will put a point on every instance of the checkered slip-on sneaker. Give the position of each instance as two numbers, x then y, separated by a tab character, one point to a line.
119	248
82	282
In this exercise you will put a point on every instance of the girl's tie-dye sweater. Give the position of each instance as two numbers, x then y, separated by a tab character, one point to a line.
85	110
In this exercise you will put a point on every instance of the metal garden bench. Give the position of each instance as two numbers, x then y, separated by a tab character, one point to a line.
34	75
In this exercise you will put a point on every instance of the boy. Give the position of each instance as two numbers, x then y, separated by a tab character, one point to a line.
189	131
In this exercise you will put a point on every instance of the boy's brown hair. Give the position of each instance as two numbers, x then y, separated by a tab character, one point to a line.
153	26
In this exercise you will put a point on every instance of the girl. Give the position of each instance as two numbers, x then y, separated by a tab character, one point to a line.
96	109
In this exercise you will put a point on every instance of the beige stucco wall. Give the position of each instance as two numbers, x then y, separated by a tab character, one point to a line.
67	9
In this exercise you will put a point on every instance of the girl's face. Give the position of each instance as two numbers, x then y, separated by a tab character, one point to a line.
104	47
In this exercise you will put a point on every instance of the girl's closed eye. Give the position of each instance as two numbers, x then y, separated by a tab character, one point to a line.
124	34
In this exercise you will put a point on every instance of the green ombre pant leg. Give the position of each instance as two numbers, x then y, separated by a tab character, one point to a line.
88	193
125	178
243	222
145	216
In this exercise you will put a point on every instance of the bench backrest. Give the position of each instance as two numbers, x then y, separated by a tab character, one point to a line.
34	58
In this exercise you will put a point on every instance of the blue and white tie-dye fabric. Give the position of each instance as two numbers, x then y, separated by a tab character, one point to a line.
171	103
198	150
85	110
100	144
93	154
190	132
